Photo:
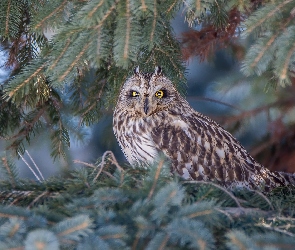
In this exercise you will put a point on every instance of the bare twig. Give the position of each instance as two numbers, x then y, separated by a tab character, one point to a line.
32	170
103	161
94	167
84	163
40	173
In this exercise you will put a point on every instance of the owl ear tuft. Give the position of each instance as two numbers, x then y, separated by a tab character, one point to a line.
158	70
136	70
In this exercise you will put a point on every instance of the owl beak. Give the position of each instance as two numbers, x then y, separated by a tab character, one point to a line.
146	106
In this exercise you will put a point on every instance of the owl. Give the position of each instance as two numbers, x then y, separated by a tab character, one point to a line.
152	118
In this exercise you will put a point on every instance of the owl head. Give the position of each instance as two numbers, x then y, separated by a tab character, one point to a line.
145	94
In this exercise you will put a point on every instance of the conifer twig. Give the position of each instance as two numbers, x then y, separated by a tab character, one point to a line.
135	243
237	212
98	97
277	229
36	199
157	175
164	243
85	163
265	198
219	187
5	164
228	215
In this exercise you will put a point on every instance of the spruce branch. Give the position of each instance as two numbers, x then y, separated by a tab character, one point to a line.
171	7
10	170
217	186
45	17
157	175
264	46
55	62
7	18
73	64
78	213
260	18
29	76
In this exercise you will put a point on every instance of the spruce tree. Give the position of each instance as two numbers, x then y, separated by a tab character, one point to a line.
76	75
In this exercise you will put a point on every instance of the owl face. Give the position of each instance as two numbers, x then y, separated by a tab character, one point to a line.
145	94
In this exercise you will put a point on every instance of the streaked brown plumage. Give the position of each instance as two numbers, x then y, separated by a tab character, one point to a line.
152	117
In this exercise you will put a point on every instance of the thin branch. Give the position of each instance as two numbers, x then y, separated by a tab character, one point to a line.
51	14
154	21
265	198
72	65
219	187
255	111
94	167
128	30
103	162
237	212
12	92
266	17
5	164
84	163
98	96
284	71
171	6
157	175
40	173
32	170
275	229
90	14
61	54
200	98
36	199
7	18
164	243
270	42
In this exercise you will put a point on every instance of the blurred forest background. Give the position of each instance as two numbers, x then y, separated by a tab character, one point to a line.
59	83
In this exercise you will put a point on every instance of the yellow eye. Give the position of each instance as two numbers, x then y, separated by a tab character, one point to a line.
134	93
159	94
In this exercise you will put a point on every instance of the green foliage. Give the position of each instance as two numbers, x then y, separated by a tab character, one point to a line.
105	206
274	49
69	59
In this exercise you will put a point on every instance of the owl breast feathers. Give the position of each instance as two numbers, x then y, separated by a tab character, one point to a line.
151	117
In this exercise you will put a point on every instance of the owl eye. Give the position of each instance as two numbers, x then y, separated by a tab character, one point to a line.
161	94
134	93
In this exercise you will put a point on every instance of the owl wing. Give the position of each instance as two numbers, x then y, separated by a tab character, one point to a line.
200	149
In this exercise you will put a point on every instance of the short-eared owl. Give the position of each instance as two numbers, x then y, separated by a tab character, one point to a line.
151	117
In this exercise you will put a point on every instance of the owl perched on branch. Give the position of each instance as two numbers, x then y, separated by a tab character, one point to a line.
151	117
